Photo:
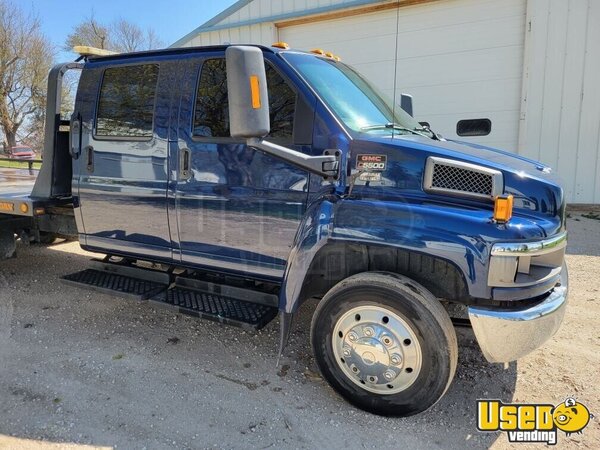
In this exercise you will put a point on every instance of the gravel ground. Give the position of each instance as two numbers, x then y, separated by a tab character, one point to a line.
82	368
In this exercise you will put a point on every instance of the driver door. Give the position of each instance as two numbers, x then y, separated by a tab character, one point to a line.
237	208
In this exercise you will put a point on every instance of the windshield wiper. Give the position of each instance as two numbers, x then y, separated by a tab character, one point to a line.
394	126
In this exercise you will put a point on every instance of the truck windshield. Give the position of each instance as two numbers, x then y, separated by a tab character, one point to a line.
352	98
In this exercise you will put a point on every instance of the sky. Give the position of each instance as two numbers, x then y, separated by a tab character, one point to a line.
171	19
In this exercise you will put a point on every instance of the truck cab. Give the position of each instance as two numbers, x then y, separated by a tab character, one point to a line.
287	172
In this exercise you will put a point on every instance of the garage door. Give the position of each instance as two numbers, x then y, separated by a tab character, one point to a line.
460	59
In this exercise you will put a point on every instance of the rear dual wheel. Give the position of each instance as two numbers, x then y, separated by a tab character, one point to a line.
384	343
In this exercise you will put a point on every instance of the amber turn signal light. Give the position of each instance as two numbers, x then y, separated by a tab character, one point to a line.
255	91
503	207
24	208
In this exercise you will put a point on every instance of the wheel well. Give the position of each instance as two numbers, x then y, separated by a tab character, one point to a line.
337	261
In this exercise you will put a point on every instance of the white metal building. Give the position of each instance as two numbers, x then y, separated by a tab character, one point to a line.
530	66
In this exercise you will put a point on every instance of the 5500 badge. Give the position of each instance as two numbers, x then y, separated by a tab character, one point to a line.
534	422
371	166
371	163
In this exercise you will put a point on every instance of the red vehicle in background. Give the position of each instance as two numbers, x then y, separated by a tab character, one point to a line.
21	152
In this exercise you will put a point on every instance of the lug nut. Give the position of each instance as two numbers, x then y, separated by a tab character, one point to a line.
369	331
352	336
389	375
347	352
372	379
396	359
387	341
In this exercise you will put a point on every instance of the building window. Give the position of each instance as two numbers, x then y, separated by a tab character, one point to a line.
126	103
474	127
211	117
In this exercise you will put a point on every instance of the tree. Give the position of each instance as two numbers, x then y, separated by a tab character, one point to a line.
25	59
89	32
120	36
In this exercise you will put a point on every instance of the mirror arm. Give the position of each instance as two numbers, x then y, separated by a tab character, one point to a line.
327	165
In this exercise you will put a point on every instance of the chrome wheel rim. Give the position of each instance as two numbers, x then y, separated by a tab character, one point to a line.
377	350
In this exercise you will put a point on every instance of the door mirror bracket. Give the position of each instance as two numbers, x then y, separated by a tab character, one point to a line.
326	165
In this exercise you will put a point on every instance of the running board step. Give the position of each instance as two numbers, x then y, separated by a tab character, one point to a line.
229	305
126	281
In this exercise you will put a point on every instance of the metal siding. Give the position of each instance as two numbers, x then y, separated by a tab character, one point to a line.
460	59
260	33
267	8
570	118
561	102
464	58
587	179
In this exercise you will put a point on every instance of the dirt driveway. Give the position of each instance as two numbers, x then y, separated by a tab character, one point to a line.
80	367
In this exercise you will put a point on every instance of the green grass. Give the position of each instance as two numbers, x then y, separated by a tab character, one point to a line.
18	164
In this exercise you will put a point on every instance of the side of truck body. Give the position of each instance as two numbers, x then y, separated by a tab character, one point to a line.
407	219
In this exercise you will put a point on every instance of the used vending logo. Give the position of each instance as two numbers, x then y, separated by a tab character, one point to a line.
532	423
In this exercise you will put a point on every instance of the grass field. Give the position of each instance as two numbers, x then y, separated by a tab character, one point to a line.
19	164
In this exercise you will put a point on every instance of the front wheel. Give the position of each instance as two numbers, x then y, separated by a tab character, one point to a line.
384	343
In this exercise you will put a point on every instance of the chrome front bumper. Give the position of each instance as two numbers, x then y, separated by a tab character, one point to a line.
507	335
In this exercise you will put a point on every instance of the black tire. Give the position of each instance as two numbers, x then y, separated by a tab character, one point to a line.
8	245
47	238
423	313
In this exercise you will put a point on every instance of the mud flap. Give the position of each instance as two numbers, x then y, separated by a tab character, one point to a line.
285	320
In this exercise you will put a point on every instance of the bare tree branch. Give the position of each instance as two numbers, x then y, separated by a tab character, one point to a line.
25	59
120	36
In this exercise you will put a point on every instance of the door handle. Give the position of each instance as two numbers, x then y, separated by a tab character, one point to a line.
76	136
185	157
89	152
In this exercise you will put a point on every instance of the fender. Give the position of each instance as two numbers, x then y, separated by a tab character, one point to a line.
462	238
313	234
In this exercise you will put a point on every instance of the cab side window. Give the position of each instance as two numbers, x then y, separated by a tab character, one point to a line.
126	102
211	116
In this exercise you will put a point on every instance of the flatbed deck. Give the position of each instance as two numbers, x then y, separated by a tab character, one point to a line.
15	188
17	182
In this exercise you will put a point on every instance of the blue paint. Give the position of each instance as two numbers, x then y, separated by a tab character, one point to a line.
266	219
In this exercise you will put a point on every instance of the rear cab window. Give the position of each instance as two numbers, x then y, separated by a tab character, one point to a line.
126	102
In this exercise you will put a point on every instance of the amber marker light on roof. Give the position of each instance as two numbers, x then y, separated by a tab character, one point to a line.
503	207
329	54
317	51
283	45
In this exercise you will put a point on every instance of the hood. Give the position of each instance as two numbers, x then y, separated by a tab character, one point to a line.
535	187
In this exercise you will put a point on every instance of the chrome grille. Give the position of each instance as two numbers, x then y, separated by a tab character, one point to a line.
459	178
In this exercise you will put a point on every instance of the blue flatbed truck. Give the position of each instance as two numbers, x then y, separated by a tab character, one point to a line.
254	178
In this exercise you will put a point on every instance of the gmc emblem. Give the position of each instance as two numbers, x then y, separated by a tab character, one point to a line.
371	162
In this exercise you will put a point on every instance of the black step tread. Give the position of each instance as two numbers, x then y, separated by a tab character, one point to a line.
115	283
216	307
